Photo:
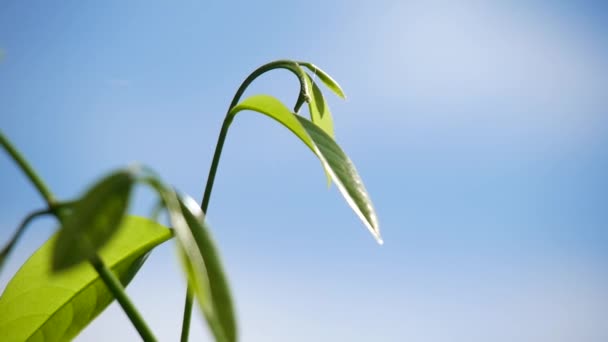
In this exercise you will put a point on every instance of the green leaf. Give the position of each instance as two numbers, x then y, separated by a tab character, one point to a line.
325	78
201	262
345	175
93	219
320	114
319	110
41	305
333	159
205	271
273	108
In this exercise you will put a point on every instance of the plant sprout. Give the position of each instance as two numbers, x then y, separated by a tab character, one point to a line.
99	247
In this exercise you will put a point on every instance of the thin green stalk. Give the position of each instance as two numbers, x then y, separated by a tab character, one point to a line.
116	288
27	169
187	314
106	275
26	221
302	97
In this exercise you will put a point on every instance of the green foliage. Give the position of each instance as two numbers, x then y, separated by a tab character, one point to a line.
319	110
205	272
325	78
347	179
201	261
273	108
337	165
72	278
93	219
40	304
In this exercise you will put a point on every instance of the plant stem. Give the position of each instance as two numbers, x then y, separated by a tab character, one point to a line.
187	314
27	169
121	296
228	119
106	275
302	97
9	246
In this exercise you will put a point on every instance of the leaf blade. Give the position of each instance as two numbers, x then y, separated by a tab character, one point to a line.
335	162
346	177
39	302
220	296
93	219
272	107
320	114
325	78
201	262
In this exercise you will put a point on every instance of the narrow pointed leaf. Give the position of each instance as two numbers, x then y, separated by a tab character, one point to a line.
273	108
319	110
345	176
201	262
93	219
212	285
334	160
320	114
325	78
41	305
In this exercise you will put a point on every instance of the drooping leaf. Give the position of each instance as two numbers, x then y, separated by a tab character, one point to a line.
211	288
320	114
345	176
41	305
273	108
93	219
325	78
334	160
201	262
318	108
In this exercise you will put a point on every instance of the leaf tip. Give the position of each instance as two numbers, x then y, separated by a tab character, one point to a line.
376	233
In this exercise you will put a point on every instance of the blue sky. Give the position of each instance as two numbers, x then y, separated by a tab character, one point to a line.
480	129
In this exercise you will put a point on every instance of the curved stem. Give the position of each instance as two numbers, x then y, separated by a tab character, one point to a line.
27	169
302	97
121	296
106	275
26	221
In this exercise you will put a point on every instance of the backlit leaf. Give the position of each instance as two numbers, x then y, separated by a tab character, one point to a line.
319	110
334	160
93	219
320	114
201	262
211	282
41	305
345	175
325	78
273	108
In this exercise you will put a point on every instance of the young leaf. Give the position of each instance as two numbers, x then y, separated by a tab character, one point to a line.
345	175
93	219
318	108
273	108
325	78
334	160
41	305
320	114
201	262
205	272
